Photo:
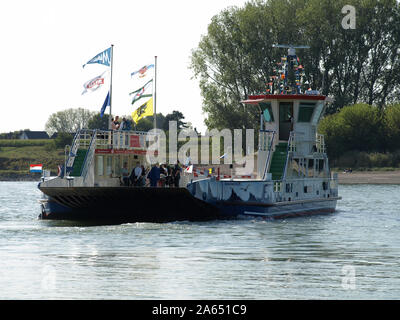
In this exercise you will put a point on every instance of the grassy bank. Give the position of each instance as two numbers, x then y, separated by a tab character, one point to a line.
17	155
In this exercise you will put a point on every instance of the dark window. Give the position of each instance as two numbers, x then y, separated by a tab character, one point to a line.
305	112
321	165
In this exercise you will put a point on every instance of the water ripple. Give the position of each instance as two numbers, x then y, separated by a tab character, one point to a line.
351	254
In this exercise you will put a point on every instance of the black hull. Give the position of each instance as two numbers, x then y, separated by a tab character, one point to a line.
126	204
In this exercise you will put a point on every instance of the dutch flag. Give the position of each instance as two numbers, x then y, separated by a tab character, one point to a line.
36	167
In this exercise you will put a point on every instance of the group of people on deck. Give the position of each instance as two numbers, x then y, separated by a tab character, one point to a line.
125	124
157	176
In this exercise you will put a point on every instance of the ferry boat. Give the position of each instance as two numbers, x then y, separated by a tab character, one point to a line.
293	177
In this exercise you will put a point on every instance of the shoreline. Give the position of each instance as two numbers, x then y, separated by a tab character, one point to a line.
370	177
356	177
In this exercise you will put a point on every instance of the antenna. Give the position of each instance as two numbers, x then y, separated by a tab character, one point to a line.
291	48
291	72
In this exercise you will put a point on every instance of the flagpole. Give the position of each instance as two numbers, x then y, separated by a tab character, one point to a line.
155	91
112	56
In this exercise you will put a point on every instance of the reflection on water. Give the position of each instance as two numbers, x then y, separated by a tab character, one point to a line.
351	254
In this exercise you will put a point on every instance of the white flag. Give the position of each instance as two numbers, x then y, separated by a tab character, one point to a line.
95	83
143	71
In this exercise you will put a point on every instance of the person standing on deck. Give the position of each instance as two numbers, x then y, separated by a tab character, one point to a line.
154	175
115	123
176	174
125	174
122	124
136	174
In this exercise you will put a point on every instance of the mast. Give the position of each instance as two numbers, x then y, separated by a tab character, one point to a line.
110	117
154	92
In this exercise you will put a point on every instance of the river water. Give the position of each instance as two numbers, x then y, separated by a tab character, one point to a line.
353	253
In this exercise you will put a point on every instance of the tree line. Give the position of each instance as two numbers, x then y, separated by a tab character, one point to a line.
73	119
235	58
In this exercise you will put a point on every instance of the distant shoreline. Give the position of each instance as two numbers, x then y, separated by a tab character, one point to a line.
370	177
19	177
356	177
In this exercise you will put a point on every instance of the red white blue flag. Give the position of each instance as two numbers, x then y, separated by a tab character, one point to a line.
36	167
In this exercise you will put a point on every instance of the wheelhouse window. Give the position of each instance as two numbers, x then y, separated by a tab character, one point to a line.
305	111
267	111
317	113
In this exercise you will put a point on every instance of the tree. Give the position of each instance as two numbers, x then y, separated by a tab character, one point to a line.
69	120
235	58
97	122
147	123
175	116
63	139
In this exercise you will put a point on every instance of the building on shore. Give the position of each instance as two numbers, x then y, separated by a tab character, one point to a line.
31	135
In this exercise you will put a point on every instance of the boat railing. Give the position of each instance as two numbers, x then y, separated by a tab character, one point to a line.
120	139
320	143
278	186
266	139
89	155
266	143
290	149
79	141
292	145
72	151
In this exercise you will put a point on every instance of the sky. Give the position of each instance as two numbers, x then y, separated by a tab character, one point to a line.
45	43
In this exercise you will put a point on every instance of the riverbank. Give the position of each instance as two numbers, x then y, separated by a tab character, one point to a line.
370	177
13	176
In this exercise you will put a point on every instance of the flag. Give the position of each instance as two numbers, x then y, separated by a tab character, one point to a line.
94	84
146	109
36	167
102	58
142	72
105	104
143	92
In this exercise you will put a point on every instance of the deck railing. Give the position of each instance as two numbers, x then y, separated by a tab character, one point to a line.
89	156
265	144
320	143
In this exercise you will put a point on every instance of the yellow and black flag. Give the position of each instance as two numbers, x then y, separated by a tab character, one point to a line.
145	110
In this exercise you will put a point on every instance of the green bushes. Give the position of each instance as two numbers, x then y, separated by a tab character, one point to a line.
23	143
363	136
391	126
357	127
